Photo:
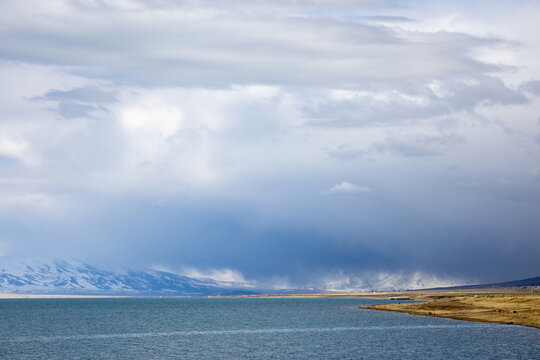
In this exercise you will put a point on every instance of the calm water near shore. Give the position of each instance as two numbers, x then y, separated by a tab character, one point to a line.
224	328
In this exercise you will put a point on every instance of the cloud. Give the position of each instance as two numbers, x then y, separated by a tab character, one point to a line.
201	44
200	135
18	149
226	275
79	102
347	188
430	99
85	94
152	118
413	145
418	145
34	201
532	87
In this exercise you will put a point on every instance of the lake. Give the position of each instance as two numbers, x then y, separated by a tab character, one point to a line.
245	328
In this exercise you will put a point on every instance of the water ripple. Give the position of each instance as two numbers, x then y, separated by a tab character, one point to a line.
227	332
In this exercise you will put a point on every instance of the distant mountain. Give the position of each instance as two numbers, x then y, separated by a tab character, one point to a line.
40	275
386	281
508	284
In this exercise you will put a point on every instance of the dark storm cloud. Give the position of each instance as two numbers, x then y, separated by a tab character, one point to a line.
460	239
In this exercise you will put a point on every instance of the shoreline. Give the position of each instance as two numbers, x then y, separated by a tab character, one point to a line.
377	295
510	307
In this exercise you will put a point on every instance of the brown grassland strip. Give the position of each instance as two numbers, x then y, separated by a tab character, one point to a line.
505	307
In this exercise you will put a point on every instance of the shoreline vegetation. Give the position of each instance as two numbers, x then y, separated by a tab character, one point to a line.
498	305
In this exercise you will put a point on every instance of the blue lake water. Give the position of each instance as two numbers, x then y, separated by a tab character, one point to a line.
220	328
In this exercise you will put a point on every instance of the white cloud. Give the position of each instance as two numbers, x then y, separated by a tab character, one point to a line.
204	44
17	149
152	119
347	188
148	124
225	274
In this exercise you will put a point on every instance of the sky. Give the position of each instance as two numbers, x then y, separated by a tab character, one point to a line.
290	143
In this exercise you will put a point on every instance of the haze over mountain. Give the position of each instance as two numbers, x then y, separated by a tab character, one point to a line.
40	275
310	144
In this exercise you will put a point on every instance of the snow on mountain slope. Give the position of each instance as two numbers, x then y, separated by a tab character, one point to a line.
70	276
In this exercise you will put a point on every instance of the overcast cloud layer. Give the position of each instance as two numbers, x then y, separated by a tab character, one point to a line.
297	143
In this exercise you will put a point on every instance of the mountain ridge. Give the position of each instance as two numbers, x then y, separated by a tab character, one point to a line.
40	275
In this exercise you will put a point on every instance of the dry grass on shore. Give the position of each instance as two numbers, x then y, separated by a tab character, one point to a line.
500	306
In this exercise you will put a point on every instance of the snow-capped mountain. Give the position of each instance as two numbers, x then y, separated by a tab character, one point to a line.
61	276
40	275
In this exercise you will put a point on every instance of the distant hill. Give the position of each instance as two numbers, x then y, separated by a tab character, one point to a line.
508	284
40	275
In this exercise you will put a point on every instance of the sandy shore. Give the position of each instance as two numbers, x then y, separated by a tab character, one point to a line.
487	305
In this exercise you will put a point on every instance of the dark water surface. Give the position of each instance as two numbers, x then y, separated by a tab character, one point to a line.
245	328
